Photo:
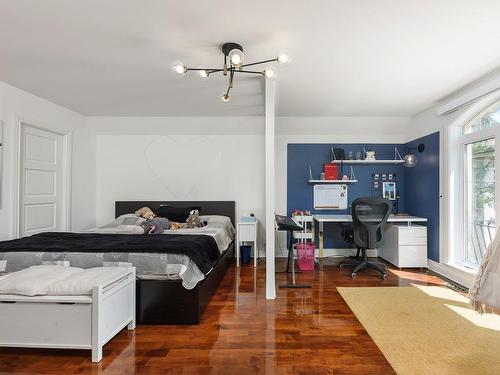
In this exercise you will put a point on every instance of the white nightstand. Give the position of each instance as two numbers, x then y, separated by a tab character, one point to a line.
246	232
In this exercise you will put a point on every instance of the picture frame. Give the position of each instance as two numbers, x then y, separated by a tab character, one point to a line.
389	190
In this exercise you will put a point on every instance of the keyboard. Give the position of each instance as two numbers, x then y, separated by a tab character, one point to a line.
288	224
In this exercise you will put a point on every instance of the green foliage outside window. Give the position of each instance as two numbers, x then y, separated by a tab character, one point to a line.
483	159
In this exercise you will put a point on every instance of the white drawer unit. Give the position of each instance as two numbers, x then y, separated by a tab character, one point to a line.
404	246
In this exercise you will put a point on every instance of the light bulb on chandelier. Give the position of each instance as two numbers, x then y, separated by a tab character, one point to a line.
203	73
269	73
236	57
225	97
283	58
178	67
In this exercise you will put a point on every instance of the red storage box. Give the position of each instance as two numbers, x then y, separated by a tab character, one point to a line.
305	256
331	171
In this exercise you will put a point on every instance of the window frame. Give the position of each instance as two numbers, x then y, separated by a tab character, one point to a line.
457	257
451	127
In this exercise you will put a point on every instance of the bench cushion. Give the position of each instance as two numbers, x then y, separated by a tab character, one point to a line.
58	280
81	283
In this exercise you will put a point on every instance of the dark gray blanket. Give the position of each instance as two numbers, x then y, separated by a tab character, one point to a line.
202	250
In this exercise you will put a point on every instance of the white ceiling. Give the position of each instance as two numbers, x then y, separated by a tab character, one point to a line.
350	58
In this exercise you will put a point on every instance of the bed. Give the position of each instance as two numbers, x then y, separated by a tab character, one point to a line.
201	254
167	301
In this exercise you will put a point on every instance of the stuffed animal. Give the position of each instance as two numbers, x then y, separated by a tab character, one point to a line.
145	212
153	224
194	221
156	225
176	226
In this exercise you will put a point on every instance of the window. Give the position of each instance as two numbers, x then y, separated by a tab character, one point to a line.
480	198
479	188
488	118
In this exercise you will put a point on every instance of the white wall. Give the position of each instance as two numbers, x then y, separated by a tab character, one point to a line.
188	158
16	105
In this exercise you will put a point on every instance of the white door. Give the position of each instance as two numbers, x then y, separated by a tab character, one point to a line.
42	195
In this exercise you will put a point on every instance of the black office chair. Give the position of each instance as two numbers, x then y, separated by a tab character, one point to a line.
369	216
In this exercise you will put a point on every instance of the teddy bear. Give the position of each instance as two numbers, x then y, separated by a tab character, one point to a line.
153	224
194	221
145	212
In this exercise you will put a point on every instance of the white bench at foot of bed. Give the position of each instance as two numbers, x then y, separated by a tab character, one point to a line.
70	322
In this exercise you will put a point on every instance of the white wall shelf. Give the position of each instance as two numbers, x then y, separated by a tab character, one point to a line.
368	161
332	181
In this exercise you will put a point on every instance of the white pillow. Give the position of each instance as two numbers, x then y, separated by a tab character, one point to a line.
128	219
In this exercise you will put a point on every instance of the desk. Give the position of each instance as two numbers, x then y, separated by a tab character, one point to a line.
346	218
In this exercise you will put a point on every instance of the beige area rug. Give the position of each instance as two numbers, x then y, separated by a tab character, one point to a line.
427	330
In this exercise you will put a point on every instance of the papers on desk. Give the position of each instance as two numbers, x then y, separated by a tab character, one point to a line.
330	197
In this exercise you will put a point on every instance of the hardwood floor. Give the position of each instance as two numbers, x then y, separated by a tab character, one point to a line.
303	331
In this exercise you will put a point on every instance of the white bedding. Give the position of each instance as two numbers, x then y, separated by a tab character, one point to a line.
57	280
219	227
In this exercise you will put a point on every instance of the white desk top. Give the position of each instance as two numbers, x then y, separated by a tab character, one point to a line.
346	218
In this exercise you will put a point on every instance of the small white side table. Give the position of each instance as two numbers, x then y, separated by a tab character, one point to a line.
246	232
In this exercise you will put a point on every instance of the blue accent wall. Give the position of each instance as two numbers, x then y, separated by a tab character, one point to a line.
417	187
300	192
422	189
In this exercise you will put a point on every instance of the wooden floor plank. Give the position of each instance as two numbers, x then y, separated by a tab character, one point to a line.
304	331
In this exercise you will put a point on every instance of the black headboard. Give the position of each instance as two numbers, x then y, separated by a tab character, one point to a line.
225	208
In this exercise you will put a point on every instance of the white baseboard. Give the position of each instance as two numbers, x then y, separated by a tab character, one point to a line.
461	277
283	253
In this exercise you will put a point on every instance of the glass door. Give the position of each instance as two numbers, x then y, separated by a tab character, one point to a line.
479	199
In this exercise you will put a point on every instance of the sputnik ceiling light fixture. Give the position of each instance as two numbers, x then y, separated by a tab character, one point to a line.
233	52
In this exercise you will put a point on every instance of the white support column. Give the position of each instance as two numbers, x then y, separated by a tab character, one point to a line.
270	188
